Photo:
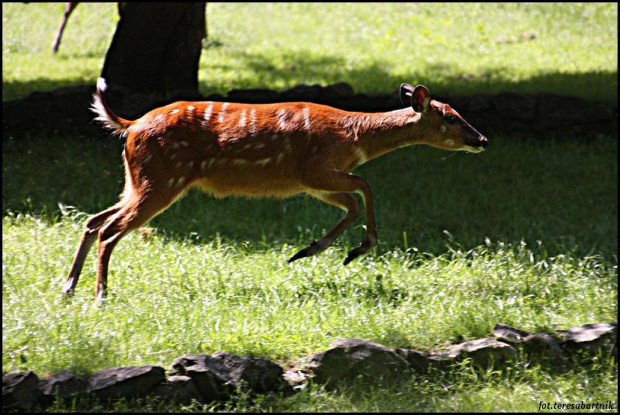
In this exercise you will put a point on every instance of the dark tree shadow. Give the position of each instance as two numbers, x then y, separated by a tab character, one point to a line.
88	175
517	191
302	68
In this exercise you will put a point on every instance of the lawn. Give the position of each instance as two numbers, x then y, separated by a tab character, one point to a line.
466	241
524	233
452	48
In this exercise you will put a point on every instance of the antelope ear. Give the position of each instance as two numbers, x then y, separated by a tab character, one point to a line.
406	91
420	98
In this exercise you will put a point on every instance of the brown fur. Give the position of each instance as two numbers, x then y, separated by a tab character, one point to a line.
258	150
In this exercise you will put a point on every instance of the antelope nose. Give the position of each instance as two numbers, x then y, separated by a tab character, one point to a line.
483	142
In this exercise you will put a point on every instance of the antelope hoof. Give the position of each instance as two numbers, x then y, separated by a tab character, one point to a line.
69	288
360	250
99	300
313	248
353	254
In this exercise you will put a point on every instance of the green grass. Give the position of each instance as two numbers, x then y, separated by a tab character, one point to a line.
524	234
452	48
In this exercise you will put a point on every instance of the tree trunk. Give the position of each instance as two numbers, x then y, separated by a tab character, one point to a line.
156	48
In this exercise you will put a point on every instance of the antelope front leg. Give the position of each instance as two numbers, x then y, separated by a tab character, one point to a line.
371	231
344	201
335	188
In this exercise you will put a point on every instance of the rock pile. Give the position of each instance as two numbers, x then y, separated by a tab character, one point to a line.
207	378
66	110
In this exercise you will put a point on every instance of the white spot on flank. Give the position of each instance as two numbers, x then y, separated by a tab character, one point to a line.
242	119
253	121
159	117
443	129
208	113
175	145
203	165
172	157
183	143
147	158
190	165
281	121
449	142
170	182
274	137
258	146
307	119
190	109
174	111
181	181
179	164
220	118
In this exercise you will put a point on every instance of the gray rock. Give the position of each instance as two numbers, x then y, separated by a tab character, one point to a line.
485	353
418	361
256	374
543	346
215	97
350	358
253	96
537	346
20	391
589	339
66	109
217	376
515	106
480	103
208	374
179	389
65	385
557	113
302	93
503	331
125	382
337	90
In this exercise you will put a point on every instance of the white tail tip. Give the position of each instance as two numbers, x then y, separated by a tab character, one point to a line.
102	84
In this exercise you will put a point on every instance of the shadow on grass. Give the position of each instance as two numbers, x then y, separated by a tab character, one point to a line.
303	68
299	68
562	194
21	89
424	198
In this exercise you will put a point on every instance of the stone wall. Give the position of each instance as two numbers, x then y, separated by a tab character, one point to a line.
66	110
209	378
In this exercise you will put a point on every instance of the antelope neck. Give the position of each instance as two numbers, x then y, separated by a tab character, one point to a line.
380	133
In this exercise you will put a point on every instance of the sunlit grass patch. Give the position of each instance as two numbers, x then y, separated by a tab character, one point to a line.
452	48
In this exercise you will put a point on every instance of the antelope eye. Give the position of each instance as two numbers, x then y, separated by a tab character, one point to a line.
450	119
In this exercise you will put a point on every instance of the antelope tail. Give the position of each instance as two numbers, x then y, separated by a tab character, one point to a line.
109	119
